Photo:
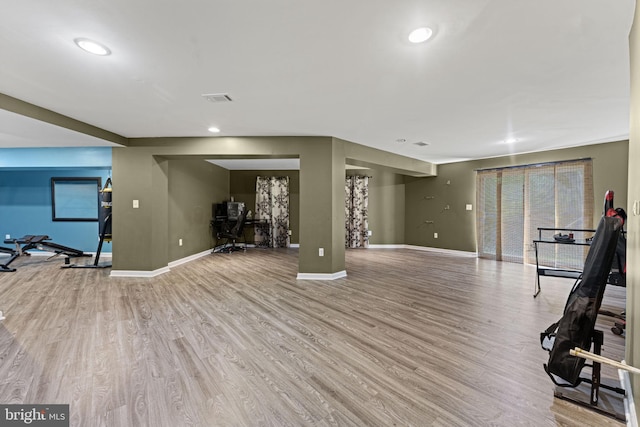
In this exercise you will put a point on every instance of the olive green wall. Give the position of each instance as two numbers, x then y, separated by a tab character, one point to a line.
133	239
386	205
194	185
141	238
243	189
633	222
386	200
427	199
322	208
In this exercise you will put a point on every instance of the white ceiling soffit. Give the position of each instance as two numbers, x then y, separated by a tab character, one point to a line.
264	164
257	164
20	131
497	77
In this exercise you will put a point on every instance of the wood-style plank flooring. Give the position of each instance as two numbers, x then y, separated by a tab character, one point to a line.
409	338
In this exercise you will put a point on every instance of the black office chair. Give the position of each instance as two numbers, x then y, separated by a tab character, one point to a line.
232	236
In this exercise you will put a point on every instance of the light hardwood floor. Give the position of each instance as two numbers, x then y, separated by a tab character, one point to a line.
408	338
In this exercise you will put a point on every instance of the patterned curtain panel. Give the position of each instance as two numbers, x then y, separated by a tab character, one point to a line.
272	205
356	211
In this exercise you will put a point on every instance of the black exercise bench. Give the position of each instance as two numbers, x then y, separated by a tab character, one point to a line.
4	268
40	242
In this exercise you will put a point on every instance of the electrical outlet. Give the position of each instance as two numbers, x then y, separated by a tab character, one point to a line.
289	232
469	207
369	232
320	251
136	204
7	236
179	242
435	235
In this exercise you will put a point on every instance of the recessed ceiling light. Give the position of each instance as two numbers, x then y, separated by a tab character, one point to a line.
420	35
214	129
92	47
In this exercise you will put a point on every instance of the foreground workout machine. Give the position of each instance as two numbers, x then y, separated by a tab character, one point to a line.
576	328
104	223
4	268
43	243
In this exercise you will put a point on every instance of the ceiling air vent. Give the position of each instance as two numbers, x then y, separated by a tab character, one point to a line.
420	144
217	97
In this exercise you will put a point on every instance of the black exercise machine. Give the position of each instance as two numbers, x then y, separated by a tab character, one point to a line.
43	243
4	268
576	328
104	221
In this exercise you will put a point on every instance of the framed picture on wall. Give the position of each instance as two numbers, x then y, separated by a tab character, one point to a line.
75	199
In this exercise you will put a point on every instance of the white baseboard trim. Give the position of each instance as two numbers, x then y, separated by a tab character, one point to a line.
35	252
322	276
102	254
427	249
292	245
444	251
629	405
139	273
189	258
159	271
300	276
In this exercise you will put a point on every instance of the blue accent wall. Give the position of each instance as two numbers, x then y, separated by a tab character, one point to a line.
25	193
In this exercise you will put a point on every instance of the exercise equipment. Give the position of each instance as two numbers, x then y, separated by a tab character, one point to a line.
104	224
4	268
618	274
604	360
576	328
43	242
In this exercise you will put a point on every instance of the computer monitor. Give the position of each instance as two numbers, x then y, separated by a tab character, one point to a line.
219	211
234	209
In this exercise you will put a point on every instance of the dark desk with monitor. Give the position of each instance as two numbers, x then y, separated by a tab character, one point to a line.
225	216
220	223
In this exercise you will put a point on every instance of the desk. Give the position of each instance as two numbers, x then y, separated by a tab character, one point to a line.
581	237
218	223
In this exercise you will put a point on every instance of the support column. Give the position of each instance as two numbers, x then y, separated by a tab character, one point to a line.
140	234
322	199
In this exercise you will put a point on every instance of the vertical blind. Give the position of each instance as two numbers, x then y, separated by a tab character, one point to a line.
512	203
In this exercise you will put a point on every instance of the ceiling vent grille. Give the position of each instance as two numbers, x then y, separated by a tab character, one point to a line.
217	97
420	144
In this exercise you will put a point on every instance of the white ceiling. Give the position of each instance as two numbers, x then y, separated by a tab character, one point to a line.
263	164
547	73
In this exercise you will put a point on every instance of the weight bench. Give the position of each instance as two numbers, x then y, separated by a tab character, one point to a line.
4	268
43	243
